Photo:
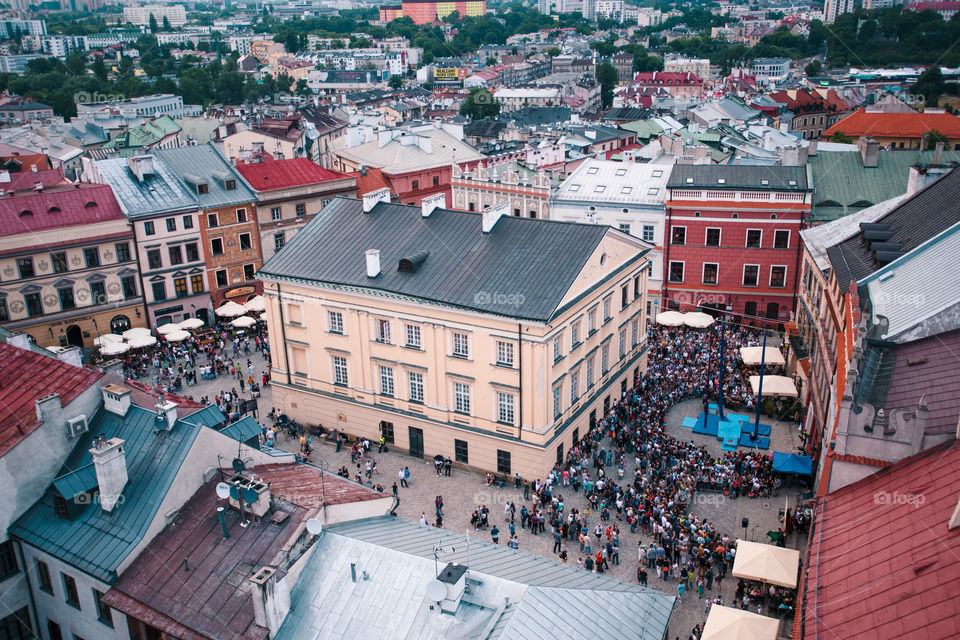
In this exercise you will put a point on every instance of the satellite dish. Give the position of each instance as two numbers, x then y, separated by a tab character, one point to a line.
238	465
234	492
223	490
436	591
250	495
314	527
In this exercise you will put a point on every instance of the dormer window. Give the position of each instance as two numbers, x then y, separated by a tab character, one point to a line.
25	213
230	185
90	205
203	188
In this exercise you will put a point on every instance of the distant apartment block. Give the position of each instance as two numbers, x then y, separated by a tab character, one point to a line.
176	15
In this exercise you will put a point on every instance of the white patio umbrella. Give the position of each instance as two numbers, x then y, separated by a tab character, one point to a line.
753	355
727	623
243	321
114	348
774	386
164	329
230	310
107	338
670	318
256	303
191	323
139	331
766	563
138	342
177	336
697	319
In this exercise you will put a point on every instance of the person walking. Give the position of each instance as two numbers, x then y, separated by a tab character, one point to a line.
403	479
556	540
495	534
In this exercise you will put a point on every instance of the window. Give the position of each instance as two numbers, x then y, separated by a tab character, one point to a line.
16	626
196	284
153	259
652	191
461	345
461	397
503	462
104	613
216	246
386	430
710	272
574	334
245	241
416	386
676	271
59	261
123	252
556	402
414	185
713	237
336	321
148	229
180	287
66	298
778	276
623	342
8	560
340	370
590	372
386	381
636	287
193	252
504	353
188	222
751	275
43	576
621	172
504	408
634	333
574	386
592	170
301	209
557	348
781	239
241	215
647	233
413	336
750	309
176	255
275	213
70	594
98	293
624	296
606	308
222	278
591	321
230	185
129	284
605	357
599	188
754	237
249	272
678	235
383	330
278	241
25	267
624	226
159	291
460	451
212	220
53	629
626	190
34	306
171	224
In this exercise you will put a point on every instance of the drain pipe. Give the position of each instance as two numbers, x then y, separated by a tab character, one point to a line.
520	381
283	336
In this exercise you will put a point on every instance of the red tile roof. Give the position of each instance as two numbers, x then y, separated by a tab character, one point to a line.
895	125
60	206
882	562
282	174
928	369
25	377
300	484
373	181
24	180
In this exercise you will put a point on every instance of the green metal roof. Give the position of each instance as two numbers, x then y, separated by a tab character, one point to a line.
243	429
92	540
82	480
643	128
147	134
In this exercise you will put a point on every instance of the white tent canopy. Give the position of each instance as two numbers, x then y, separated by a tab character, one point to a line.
752	355
670	318
230	310
177	336
191	323
727	623
107	338
256	303
138	331
774	386
766	563
137	342
697	319
164	329
243	321
114	348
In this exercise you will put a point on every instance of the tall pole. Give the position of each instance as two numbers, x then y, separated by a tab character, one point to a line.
723	349
763	359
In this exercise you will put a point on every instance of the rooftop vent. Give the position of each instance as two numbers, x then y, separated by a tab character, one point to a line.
412	264
373	263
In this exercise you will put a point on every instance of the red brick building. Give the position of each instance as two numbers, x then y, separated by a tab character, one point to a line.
733	239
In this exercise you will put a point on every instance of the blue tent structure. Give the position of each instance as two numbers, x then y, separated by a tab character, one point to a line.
792	463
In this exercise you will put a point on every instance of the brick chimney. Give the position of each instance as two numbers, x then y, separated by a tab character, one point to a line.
110	463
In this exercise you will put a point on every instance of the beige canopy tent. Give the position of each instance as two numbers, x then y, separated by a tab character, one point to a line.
752	355
137	331
256	303
106	338
774	386
243	321
727	623
670	318
138	342
230	310
164	329
191	323
766	563
697	319
114	348
177	336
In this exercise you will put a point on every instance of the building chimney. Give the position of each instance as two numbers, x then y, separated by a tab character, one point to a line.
116	399
371	198
869	151
168	410
110	463
437	201
373	263
72	356
812	148
48	406
491	215
271	599
19	340
938	153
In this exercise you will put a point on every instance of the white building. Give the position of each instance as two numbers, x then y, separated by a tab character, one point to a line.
161	104
834	8
626	195
610	9
175	14
511	99
675	63
771	69
9	28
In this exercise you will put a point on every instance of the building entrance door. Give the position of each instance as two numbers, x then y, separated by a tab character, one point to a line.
416	442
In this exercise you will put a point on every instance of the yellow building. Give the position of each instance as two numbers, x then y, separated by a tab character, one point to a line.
490	339
68	265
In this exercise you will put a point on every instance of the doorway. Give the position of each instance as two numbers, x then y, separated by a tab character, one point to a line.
416	442
202	315
74	336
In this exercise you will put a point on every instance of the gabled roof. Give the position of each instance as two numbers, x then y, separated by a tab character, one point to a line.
206	163
628	183
895	125
535	260
159	192
270	175
766	178
23	180
396	157
882	566
374	180
927	369
25	377
485	128
56	207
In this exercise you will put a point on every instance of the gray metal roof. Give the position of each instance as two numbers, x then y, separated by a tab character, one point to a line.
205	162
521	269
159	192
546	599
777	178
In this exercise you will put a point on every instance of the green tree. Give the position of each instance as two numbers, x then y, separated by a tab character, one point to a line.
291	42
553	52
814	67
479	104
930	85
839	137
933	137
395	82
491	62
166	24
302	89
607	77
359	43
76	63
153	24
99	68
